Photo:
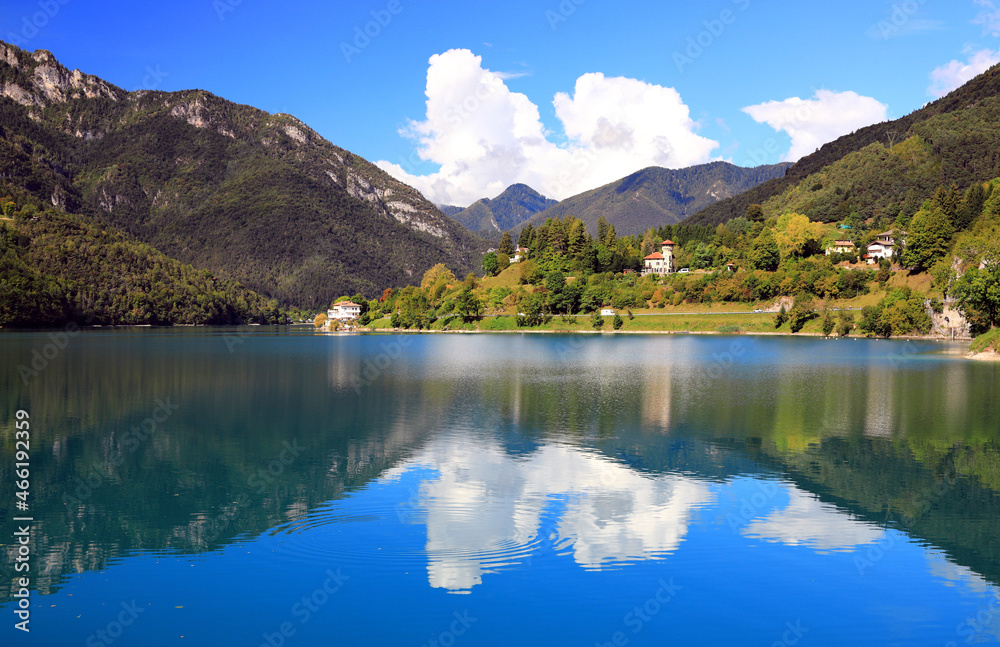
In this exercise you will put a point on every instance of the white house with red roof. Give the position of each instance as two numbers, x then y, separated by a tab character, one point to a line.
660	263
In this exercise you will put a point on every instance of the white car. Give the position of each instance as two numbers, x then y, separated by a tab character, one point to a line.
683	271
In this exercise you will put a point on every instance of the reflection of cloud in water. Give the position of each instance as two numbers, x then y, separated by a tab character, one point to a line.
954	575
484	509
806	521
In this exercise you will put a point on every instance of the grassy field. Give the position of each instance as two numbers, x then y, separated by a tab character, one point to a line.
695	323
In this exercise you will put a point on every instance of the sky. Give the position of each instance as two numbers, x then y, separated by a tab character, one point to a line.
462	99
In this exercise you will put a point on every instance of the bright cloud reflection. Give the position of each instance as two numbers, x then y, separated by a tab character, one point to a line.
806	521
485	508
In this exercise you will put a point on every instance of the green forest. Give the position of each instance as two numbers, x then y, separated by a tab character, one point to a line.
56	268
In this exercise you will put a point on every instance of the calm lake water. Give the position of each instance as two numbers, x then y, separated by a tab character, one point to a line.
272	487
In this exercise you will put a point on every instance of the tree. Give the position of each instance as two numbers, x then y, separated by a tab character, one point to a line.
978	295
617	322
468	304
781	317
828	323
755	213
436	273
846	323
320	320
797	235
527	236
764	254
506	245
801	312
930	234
597	321
602	229
490	265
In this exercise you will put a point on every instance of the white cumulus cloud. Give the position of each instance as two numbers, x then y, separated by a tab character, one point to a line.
485	137
951	75
814	122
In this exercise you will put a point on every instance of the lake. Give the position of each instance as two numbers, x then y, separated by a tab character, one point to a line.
266	486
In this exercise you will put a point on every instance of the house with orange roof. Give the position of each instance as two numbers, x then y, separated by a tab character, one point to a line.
660	263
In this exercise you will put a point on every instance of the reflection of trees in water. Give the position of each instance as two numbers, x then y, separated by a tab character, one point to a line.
191	487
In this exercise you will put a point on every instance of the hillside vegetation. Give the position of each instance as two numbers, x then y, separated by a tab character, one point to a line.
957	145
257	198
56	268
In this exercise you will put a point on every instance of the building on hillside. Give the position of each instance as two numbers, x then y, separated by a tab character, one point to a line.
519	254
344	310
883	246
841	247
660	263
878	250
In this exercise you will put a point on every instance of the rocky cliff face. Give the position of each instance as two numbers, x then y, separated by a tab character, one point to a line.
258	197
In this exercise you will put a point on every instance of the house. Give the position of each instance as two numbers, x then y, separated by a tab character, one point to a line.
841	247
344	310
519	254
660	263
878	250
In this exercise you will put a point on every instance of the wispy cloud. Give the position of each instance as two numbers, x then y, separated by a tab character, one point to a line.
956	73
886	29
989	17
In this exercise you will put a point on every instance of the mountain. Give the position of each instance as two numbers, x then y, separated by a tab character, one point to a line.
450	210
953	140
490	218
253	197
656	196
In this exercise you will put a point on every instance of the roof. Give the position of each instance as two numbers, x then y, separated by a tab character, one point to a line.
843	243
346	304
668	242
655	256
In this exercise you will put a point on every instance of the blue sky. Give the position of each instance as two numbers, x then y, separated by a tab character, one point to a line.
564	95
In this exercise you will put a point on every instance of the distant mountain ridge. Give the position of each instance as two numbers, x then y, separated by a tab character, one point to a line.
254	197
489	218
958	131
657	196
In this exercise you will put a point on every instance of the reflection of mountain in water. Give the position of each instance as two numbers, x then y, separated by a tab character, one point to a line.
627	433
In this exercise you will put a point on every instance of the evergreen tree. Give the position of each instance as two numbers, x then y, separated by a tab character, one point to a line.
506	245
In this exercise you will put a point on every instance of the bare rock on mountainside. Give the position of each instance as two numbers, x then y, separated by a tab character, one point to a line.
260	198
